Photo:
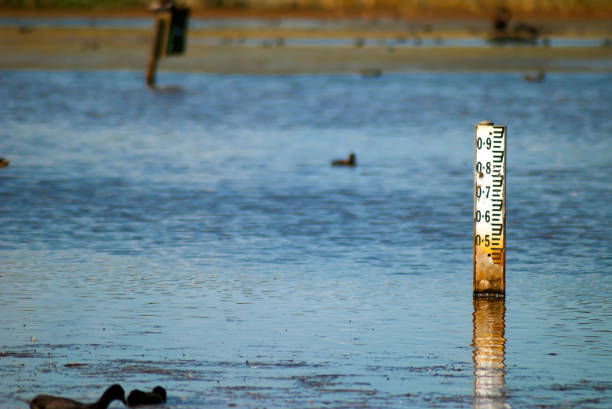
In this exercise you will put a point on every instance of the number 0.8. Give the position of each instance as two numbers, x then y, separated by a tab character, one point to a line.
487	167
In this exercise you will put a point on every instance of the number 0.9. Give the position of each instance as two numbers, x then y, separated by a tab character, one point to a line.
479	143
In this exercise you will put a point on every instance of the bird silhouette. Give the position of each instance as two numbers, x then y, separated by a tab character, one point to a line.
538	77
138	397
115	392
351	161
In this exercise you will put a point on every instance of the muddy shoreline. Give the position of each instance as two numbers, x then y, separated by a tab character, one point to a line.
222	48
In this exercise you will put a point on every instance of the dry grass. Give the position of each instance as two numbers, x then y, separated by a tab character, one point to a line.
364	8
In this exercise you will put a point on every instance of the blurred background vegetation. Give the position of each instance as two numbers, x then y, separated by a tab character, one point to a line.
442	8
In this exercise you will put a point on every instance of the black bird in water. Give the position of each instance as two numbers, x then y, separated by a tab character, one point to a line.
538	77
115	392
4	162
137	397
351	161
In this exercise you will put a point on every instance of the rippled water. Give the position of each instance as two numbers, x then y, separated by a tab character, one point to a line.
197	238
401	42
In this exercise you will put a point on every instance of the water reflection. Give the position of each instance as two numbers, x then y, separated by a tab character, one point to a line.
488	354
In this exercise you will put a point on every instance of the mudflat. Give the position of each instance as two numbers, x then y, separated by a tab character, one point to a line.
269	50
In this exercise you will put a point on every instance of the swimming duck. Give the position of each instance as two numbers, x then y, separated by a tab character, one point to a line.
4	162
351	161
539	77
138	397
371	72
115	392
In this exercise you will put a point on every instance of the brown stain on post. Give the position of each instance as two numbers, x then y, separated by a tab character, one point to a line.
488	275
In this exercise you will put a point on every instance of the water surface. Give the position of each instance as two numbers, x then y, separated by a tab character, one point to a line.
197	238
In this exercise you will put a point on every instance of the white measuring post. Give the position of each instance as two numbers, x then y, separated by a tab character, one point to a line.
489	209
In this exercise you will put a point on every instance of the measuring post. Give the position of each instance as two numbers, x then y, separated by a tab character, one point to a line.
489	209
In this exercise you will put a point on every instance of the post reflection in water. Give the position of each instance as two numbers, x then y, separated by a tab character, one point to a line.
488	353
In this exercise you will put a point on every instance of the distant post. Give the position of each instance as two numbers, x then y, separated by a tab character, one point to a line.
169	36
489	209
155	51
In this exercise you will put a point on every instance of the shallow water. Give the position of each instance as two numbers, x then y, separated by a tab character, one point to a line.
401	42
197	238
410	38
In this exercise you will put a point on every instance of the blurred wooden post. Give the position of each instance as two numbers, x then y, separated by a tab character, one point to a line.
155	51
169	37
489	210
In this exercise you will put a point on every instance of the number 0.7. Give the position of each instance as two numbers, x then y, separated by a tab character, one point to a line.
479	192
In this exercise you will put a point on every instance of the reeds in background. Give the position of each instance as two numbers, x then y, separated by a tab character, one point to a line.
441	8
